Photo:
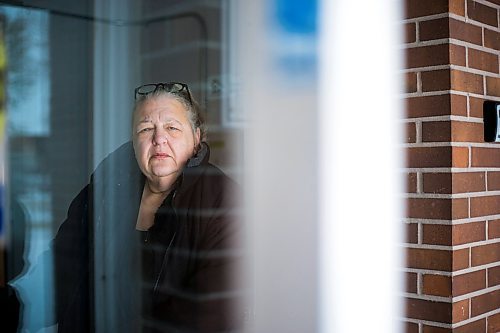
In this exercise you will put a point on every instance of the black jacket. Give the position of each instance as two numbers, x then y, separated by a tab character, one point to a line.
177	277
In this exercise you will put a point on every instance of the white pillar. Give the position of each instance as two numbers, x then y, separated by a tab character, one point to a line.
359	166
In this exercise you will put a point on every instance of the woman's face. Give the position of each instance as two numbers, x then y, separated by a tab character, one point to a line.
163	138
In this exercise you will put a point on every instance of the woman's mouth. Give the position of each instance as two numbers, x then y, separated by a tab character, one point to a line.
160	155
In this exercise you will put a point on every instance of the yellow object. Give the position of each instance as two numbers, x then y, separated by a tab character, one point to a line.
3	56
2	124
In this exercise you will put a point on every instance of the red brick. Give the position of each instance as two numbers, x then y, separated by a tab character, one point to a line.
460	259
434	29
445	104
436	234
485	303
460	311
428	310
436	131
493	180
460	157
459	105
439	209
440	260
410	327
457	7
428	106
469	282
435	329
483	206
457	55
493	229
482	13
411	183
437	183
411	132
485	254
465	32
429	157
462	131
450	28
493	276
485	157
468	233
410	82
494	323
492	39
467	82
411	282
412	233
455	131
483	60
476	107
444	79
424	56
478	326
410	32
436	285
429	208
437	80
460	208
493	86
419	8
463	182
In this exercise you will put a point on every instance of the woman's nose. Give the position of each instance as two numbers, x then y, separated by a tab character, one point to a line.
159	137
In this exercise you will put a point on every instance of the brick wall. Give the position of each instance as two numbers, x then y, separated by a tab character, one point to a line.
453	206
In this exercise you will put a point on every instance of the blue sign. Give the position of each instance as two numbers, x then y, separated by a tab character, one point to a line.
297	16
293	30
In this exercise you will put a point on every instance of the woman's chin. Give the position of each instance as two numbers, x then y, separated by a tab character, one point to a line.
160	173
163	168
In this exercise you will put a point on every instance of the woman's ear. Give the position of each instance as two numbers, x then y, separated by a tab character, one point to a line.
197	135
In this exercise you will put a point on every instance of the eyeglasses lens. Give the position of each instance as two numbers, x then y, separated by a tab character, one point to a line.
145	89
172	87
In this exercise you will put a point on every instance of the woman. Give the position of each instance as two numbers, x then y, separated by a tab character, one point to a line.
164	220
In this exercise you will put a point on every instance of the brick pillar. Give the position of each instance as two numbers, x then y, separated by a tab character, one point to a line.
453	215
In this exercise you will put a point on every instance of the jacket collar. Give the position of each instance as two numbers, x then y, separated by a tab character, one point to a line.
200	157
194	168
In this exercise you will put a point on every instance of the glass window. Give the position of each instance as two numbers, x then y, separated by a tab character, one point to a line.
82	247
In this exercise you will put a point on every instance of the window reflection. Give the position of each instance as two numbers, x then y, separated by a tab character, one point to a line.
27	38
71	75
28	128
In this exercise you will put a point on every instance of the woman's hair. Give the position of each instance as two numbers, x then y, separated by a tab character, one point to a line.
190	105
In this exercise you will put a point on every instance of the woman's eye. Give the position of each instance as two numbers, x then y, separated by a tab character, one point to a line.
144	130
